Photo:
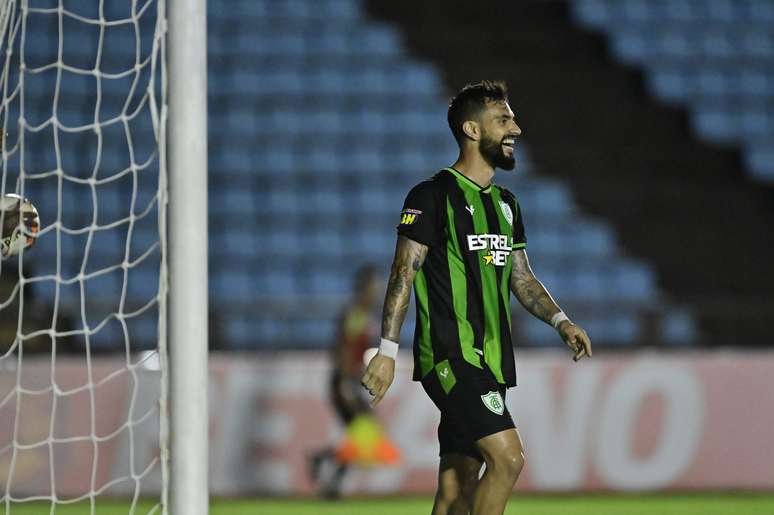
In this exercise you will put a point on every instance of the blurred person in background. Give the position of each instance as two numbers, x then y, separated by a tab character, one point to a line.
364	441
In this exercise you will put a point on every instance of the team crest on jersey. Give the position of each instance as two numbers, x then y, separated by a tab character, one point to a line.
494	402
507	213
409	216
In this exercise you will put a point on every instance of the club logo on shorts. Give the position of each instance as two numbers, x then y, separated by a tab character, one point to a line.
494	402
507	213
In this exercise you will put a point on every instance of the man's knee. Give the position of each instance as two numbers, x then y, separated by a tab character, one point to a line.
504	453
457	486
451	488
515	463
508	463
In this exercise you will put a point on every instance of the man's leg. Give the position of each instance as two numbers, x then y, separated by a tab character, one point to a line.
457	481
504	457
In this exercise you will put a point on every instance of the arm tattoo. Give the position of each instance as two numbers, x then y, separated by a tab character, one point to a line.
409	256
531	292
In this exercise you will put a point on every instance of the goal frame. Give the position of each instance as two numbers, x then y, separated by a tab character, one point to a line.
186	51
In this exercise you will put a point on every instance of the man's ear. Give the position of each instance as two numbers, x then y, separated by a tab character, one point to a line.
471	130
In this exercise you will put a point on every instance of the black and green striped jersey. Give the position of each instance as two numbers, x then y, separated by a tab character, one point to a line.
462	290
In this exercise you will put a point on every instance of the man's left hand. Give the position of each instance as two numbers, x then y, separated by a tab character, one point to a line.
378	376
576	339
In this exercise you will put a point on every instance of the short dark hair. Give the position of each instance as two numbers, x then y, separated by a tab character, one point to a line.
471	100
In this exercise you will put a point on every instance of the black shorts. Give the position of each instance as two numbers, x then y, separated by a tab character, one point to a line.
473	408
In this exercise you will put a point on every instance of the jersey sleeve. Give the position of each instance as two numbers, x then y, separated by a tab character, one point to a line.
517	225
420	217
519	237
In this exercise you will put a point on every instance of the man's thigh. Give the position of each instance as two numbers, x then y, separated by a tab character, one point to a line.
504	443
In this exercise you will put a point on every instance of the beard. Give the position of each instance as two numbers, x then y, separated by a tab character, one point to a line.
493	153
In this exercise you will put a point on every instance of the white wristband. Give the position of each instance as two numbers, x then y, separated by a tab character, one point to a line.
388	348
558	319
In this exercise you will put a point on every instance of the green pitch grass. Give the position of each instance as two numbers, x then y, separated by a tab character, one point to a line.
683	504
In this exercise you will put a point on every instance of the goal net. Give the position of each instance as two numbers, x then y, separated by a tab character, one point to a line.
82	324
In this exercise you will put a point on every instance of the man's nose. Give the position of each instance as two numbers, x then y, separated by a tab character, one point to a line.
517	129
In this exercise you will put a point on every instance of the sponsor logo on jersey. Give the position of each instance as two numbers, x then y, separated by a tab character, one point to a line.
409	216
507	213
497	244
494	402
470	209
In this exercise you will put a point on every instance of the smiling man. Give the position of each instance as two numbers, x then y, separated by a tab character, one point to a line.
461	244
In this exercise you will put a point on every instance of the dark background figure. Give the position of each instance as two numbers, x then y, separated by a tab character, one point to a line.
356	331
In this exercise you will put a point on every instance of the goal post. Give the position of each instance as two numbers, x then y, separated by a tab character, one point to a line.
103	323
187	160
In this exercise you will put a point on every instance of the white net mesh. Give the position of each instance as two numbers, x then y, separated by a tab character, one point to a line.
82	311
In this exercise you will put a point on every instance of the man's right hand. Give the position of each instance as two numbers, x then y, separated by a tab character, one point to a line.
378	377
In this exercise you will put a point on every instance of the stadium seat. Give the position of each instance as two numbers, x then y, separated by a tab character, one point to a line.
320	121
712	57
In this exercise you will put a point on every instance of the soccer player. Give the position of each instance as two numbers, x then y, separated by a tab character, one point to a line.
356	331
461	243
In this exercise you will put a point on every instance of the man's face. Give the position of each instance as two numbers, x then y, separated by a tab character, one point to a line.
498	135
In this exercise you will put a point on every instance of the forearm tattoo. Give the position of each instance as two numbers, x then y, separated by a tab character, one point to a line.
409	256
529	291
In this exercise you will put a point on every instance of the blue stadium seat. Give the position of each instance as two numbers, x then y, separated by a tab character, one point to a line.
143	284
633	282
678	327
330	242
235	286
759	158
317	333
237	332
281	282
285	242
331	283
284	202
325	203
